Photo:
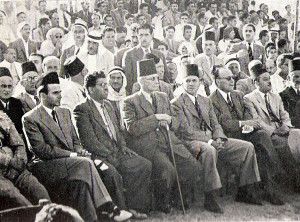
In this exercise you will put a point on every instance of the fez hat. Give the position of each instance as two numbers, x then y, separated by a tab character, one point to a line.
28	67
46	79
73	66
146	67
191	70
294	65
209	35
174	2
256	70
5	72
152	56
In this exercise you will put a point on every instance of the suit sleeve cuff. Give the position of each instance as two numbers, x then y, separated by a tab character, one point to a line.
210	141
73	154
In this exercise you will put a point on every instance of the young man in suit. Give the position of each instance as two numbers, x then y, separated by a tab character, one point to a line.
29	98
234	119
61	163
148	116
207	142
247	50
268	108
8	104
130	58
99	131
291	95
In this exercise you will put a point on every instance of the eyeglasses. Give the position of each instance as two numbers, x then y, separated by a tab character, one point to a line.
31	79
102	84
227	78
6	86
58	36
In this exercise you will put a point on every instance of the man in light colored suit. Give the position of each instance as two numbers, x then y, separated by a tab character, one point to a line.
99	131
207	142
130	58
247	50
207	60
61	164
169	39
23	45
147	115
274	119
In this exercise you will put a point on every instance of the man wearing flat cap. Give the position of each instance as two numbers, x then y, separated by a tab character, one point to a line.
268	108
147	115
291	95
8	104
74	92
208	59
207	142
61	164
29	98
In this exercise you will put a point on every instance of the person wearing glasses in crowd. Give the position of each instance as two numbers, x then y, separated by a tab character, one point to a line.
53	44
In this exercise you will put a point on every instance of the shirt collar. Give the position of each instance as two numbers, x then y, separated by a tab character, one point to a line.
147	96
263	94
31	96
193	98
4	104
98	105
224	94
49	111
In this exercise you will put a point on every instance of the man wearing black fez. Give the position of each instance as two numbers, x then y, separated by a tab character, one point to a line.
268	108
208	59
291	95
207	141
29	79
235	119
99	130
8	104
74	92
147	114
61	163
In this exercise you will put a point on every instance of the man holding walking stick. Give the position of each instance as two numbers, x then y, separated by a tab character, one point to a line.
147	114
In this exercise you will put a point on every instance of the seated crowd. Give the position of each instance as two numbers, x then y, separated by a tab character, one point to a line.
116	108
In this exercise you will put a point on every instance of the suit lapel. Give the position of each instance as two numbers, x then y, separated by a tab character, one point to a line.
65	127
145	104
262	103
22	47
204	110
48	121
236	101
274	105
28	101
96	114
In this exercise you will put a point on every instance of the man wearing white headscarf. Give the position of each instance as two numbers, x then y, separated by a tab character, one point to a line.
53	44
5	30
23	44
78	44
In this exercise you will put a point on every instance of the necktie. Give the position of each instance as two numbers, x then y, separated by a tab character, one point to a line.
147	51
250	52
298	92
65	21
202	122
229	100
6	106
271	114
54	115
37	100
154	105
77	51
110	127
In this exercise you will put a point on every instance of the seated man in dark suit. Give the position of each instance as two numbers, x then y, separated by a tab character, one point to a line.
29	99
235	119
207	142
8	104
291	95
18	186
98	129
61	164
148	115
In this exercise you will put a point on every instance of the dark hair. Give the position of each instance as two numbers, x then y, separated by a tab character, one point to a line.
90	80
145	26
231	17
187	27
107	16
281	43
251	25
7	48
43	89
143	5
138	16
43	21
164	44
263	33
108	29
37	54
271	21
212	20
20	13
121	29
212	3
259	11
170	27
40	1
252	12
224	19
200	16
184	14
216	71
244	16
128	15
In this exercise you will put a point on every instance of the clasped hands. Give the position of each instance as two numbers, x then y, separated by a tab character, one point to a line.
282	131
164	120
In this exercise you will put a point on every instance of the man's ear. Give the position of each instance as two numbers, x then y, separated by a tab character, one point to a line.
22	82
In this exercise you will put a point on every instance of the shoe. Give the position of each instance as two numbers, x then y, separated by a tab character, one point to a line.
245	196
273	199
211	204
138	216
122	216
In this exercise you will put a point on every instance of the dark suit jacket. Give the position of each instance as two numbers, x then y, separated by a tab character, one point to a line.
230	126
20	48
143	128
27	103
236	31
119	56
119	16
129	62
14	112
291	102
93	132
65	55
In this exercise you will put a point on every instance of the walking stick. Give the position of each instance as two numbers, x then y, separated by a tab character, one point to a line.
174	162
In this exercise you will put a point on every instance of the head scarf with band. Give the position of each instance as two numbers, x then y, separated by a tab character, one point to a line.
113	95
